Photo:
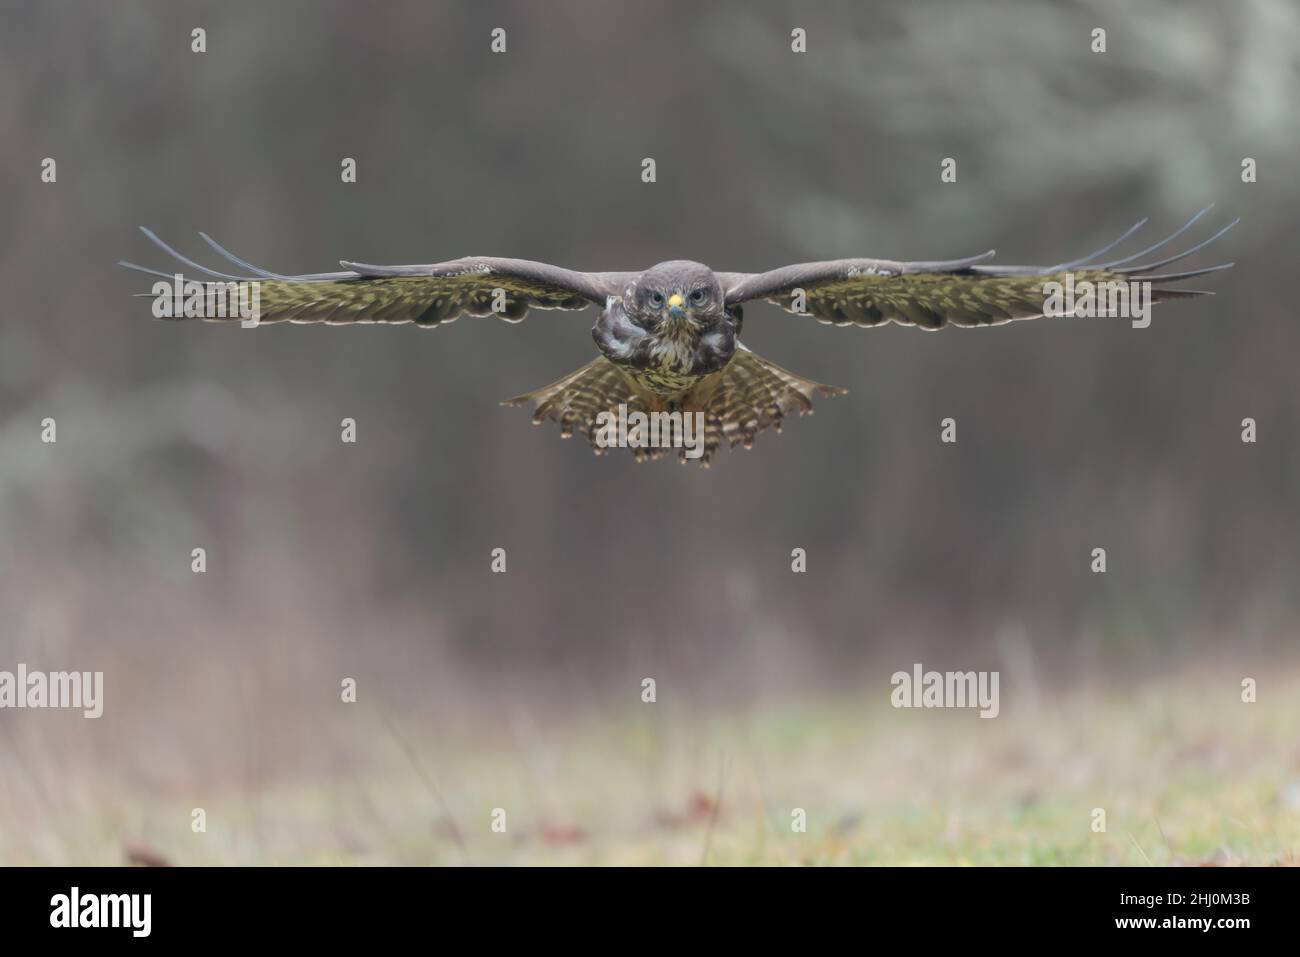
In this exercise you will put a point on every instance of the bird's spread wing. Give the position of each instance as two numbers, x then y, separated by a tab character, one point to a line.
959	292
425	295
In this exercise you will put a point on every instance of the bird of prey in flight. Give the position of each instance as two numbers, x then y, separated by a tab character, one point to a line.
669	337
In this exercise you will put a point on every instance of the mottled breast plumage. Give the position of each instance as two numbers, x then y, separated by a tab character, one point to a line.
669	330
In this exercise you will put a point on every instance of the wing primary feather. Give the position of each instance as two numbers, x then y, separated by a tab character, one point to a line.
1104	249
1182	293
391	272
1168	239
257	270
949	265
146	269
185	259
1147	267
1175	276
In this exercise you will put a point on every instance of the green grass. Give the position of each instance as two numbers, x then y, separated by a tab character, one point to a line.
1186	773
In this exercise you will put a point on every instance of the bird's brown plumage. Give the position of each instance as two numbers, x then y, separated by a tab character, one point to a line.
705	366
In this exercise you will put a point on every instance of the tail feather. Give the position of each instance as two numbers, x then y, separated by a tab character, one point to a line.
747	397
577	399
755	394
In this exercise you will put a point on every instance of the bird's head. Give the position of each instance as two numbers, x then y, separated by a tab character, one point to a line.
677	295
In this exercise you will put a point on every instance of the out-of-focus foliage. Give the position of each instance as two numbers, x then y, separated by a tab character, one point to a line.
373	559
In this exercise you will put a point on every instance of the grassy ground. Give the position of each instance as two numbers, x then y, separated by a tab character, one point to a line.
1186	773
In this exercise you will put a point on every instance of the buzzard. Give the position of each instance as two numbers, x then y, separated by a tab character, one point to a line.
669	337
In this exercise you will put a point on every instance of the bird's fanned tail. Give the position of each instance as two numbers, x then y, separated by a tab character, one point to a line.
577	399
747	397
755	394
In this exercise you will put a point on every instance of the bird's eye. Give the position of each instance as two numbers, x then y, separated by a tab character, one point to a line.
656	299
698	295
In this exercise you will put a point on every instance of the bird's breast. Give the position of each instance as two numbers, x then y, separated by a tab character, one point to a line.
671	359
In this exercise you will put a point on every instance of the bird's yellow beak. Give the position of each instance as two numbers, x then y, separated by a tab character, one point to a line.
675	304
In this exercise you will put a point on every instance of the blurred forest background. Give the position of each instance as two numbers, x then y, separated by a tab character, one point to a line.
371	560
